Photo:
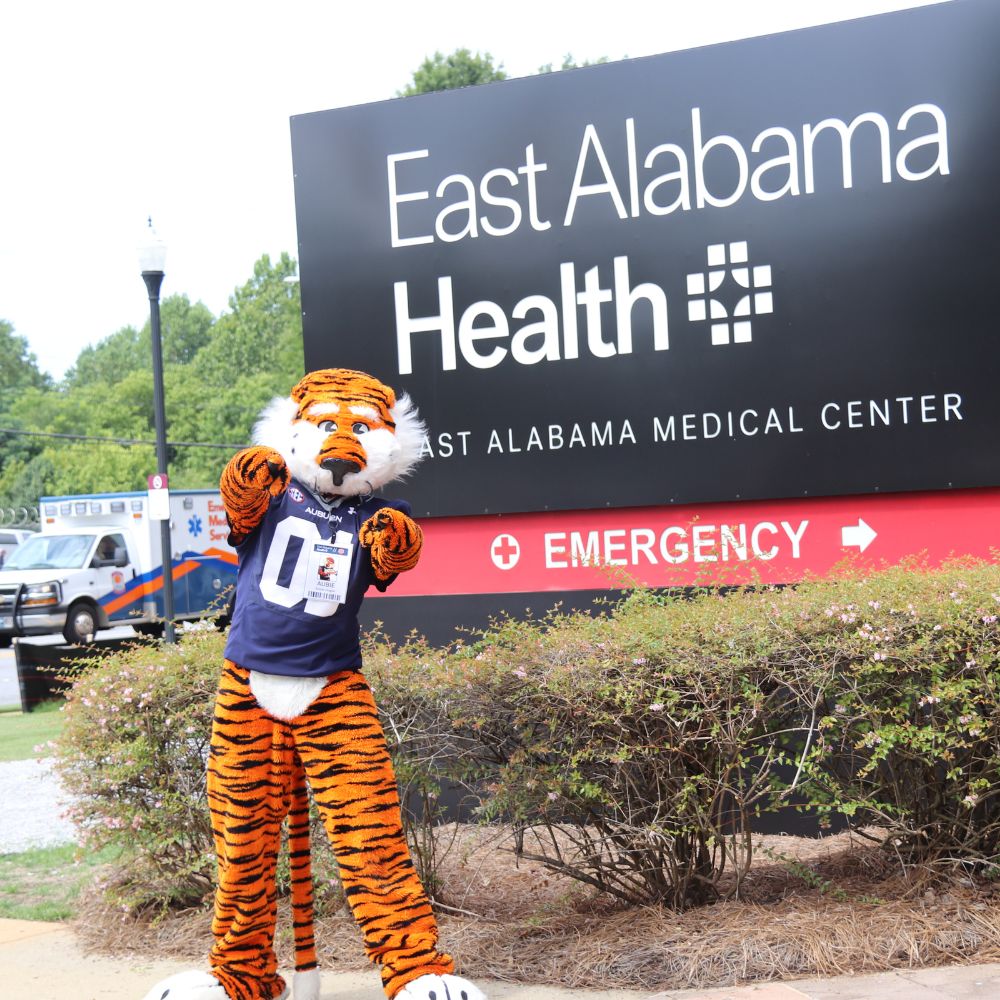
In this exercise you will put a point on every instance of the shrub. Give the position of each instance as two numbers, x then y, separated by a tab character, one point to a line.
628	751
907	717
437	765
631	751
133	755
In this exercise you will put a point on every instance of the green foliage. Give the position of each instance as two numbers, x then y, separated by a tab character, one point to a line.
25	479
460	69
18	367
133	756
218	374
631	752
570	63
106	363
430	752
628	751
465	69
255	353
19	375
904	711
184	330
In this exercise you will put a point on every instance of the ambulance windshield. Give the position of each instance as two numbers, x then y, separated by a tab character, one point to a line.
51	552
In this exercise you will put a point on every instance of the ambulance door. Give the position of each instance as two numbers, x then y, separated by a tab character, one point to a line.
112	572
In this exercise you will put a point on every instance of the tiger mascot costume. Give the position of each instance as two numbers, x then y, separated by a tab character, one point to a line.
292	704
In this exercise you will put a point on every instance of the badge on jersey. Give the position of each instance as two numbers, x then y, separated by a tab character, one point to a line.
328	572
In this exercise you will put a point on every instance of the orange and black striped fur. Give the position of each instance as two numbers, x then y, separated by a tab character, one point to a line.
339	433
255	780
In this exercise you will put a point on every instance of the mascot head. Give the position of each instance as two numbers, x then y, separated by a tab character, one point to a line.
342	432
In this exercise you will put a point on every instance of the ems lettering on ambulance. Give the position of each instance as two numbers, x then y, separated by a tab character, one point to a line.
674	544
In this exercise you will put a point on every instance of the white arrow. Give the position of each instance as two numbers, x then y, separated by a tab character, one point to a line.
859	534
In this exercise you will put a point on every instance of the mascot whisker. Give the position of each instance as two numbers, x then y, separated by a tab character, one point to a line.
312	536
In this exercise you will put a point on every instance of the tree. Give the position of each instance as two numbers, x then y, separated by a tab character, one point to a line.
19	375
185	330
460	69
110	359
18	366
218	375
570	63
254	353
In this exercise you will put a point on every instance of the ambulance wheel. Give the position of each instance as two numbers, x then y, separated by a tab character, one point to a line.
81	623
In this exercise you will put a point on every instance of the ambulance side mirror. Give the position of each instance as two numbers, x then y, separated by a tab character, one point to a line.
121	555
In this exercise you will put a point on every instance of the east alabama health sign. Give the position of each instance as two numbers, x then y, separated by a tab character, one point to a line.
759	270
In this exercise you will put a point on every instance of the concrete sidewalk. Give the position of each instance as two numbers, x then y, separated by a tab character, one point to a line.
40	961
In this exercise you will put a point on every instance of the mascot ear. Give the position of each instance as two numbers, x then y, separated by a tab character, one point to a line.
410	432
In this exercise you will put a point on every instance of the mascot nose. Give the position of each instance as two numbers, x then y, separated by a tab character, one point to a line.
338	468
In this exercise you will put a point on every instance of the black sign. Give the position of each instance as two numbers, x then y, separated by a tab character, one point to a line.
761	269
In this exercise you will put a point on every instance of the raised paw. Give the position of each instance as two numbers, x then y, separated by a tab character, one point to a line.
264	469
187	986
440	988
251	477
394	541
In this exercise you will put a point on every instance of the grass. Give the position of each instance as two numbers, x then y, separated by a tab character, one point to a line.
21	732
44	883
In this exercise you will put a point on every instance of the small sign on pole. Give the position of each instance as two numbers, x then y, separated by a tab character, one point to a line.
159	497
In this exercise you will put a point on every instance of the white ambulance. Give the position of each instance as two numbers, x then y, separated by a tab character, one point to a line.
96	563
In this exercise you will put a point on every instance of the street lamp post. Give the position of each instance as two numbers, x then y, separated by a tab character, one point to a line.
152	257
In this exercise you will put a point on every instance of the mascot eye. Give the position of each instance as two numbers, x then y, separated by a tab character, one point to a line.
359	428
327	426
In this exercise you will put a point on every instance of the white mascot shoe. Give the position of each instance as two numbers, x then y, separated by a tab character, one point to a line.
305	985
187	986
440	988
202	986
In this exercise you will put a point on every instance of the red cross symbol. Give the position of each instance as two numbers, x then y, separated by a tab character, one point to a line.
505	551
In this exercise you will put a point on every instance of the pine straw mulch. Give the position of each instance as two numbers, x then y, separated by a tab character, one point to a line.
840	907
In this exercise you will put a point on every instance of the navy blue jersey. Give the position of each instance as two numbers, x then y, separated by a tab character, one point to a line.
281	623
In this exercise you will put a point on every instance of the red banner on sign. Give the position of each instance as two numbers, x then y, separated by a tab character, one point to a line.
781	541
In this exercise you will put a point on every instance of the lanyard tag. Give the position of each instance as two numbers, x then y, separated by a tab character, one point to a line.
328	572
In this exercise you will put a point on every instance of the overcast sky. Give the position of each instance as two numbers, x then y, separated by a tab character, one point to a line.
112	111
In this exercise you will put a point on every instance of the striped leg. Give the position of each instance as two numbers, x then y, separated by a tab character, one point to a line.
250	767
343	748
300	863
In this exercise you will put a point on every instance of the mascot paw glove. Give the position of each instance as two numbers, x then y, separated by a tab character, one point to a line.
440	988
394	539
265	469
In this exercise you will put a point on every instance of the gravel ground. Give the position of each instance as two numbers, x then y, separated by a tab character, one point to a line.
31	806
